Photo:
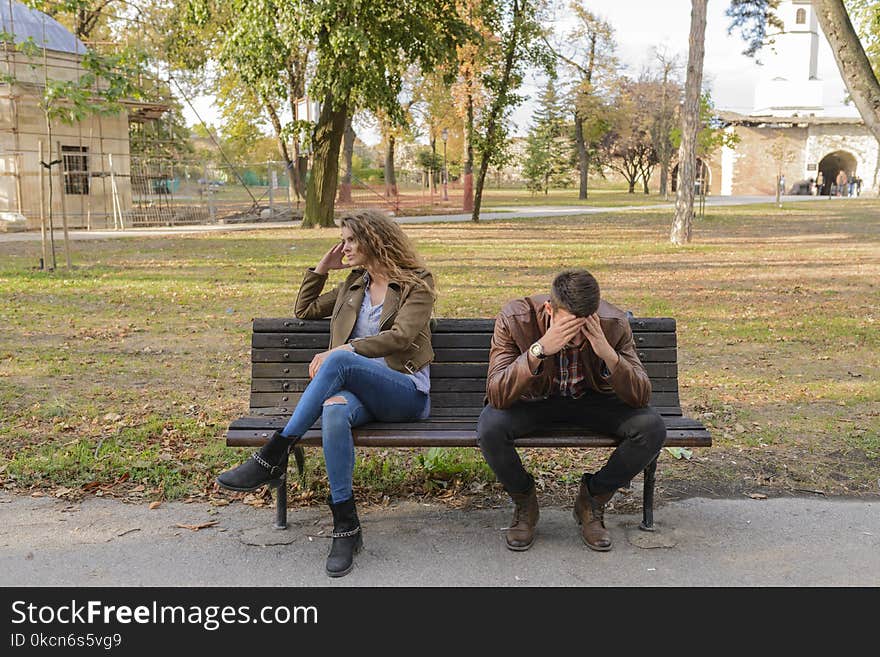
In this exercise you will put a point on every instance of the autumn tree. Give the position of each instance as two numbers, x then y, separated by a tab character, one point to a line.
665	112
628	147
261	57
587	54
516	46
362	51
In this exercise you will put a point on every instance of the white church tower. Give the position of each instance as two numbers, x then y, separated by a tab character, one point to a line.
790	85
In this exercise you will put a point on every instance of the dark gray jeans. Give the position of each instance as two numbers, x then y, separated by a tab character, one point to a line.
641	431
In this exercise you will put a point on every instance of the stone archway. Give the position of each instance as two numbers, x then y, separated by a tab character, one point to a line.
706	176
831	164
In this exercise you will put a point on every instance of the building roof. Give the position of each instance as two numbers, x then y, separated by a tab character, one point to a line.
25	23
767	119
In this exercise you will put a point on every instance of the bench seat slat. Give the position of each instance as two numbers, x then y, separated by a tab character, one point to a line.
263	422
280	369
437	385
453	411
443	325
447	354
468	438
438	399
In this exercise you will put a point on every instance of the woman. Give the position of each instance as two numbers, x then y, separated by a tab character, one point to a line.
376	367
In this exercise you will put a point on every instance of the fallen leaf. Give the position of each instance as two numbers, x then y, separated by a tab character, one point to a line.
196	528
113	417
758	496
155	505
680	452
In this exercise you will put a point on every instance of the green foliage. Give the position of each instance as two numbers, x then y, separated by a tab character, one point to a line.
549	145
364	48
517	47
751	18
865	16
712	134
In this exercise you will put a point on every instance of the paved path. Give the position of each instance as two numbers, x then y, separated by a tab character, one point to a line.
499	213
700	542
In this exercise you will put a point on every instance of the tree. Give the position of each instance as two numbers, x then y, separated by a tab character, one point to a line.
262	56
665	114
467	91
362	50
548	150
591	65
627	146
515	22
781	153
752	18
682	223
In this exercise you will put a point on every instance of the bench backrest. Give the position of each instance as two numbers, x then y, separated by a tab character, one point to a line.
282	348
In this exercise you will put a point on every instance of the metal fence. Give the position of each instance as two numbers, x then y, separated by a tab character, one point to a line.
175	193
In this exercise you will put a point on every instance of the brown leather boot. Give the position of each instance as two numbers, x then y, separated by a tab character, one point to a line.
589	511
521	533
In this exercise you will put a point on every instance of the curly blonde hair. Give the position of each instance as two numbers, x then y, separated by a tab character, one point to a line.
386	247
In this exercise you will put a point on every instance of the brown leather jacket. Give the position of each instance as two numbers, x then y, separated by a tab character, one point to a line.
404	337
523	321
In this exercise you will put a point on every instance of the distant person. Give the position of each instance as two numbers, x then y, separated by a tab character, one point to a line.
820	184
376	366
567	357
782	184
858	186
852	185
841	182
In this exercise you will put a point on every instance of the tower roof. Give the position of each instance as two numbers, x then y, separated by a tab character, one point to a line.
25	23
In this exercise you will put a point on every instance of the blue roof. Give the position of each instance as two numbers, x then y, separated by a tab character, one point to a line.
25	23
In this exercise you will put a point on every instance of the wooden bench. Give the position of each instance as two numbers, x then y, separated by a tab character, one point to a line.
282	349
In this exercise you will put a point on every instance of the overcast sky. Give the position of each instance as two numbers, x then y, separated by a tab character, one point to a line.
641	25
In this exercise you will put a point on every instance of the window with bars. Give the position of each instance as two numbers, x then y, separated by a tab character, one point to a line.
76	169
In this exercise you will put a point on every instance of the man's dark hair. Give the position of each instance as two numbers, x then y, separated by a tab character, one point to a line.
575	290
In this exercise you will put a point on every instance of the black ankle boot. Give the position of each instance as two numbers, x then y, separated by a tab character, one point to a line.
347	538
264	467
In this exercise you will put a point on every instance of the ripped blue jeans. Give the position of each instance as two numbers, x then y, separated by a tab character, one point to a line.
372	392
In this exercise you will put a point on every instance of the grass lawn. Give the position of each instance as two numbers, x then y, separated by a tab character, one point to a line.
120	377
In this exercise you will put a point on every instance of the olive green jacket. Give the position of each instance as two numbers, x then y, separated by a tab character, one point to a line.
404	336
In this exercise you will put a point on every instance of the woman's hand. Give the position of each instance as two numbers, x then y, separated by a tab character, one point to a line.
318	360
331	260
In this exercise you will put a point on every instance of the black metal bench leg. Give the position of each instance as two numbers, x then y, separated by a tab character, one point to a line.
647	523
281	503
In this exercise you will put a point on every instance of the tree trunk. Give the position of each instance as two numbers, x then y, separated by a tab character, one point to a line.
855	69
326	140
491	141
296	90
583	159
347	153
664	176
467	174
682	223
289	163
390	180
432	172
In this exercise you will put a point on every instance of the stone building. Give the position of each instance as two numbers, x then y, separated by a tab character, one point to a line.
791	133
92	184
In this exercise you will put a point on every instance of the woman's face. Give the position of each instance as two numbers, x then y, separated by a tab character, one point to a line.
351	249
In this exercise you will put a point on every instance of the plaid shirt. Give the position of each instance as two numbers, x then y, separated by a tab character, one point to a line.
569	380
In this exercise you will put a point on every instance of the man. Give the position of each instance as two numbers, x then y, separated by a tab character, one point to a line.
567	357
